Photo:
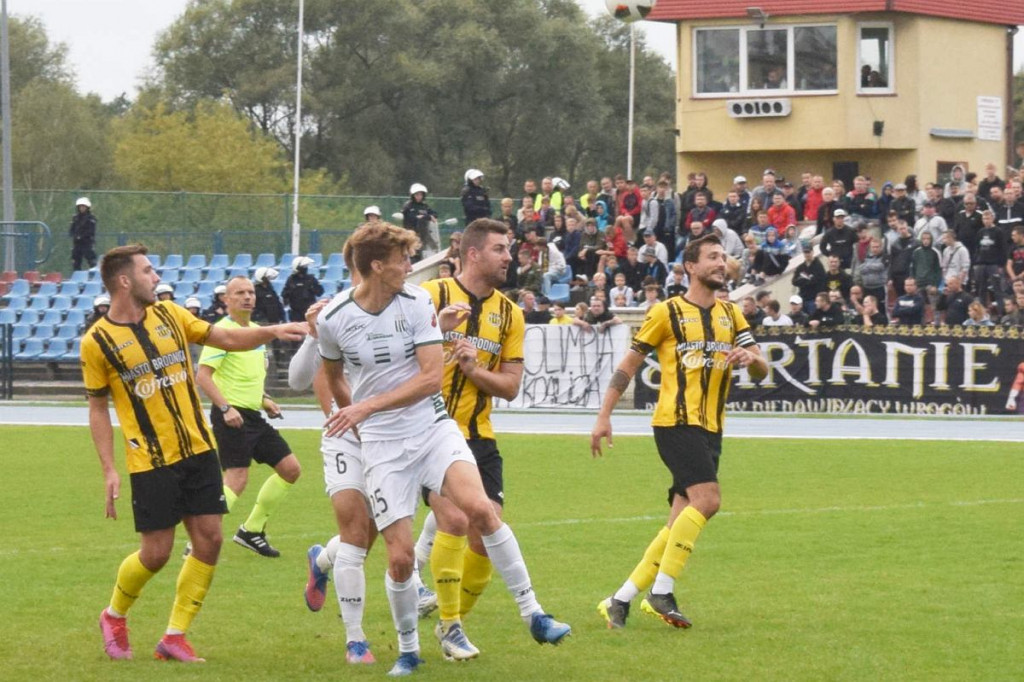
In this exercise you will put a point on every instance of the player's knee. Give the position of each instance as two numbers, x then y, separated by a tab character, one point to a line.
482	516
707	504
289	469
400	565
451	520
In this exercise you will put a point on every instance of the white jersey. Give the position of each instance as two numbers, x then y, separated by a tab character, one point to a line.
380	352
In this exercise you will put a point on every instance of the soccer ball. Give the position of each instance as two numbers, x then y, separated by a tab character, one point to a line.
630	10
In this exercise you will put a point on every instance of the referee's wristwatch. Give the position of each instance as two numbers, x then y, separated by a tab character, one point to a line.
224	408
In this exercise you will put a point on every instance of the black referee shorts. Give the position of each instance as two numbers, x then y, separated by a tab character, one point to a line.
691	455
192	486
255	440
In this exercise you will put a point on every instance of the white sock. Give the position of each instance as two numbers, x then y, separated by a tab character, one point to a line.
425	542
325	561
663	584
350	586
503	549
404	600
627	592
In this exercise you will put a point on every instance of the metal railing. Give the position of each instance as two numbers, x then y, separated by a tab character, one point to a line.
30	240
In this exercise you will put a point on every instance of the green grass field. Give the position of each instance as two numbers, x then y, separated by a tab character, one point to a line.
831	560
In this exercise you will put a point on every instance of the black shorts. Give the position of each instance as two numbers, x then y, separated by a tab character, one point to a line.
190	487
255	440
489	462
691	455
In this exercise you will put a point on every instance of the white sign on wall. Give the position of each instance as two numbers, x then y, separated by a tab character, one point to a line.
990	118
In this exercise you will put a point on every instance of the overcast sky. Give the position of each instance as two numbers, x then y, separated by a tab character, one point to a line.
110	40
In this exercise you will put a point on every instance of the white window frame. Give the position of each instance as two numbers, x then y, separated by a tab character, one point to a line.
891	80
744	91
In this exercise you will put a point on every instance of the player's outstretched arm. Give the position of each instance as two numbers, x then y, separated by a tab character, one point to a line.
247	338
621	377
103	438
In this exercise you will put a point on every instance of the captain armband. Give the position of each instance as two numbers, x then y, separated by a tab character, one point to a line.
620	381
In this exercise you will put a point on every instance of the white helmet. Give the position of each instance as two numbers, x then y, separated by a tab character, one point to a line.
265	273
417	187
83	201
372	210
102	299
301	262
560	183
164	289
193	303
220	289
473	173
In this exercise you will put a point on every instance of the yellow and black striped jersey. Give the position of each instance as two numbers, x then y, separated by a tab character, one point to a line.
496	327
147	370
692	344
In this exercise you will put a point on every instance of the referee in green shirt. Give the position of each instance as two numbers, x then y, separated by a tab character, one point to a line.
233	380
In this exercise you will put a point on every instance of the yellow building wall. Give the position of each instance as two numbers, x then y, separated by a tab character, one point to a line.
941	66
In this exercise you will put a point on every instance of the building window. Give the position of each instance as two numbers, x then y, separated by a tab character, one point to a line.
875	59
778	60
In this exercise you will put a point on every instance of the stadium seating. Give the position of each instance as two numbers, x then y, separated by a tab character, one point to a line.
80	276
92	289
154	259
75	317
55	349
74	352
43	332
32	276
265	260
206	288
191	276
51	317
21	331
47	289
219	261
278	285
29	317
16	302
39	303
20	287
285	264
8	275
32	349
173	261
334	272
84	303
67	331
170	275
8	316
242	260
61	303
196	261
54	277
69	288
183	290
317	258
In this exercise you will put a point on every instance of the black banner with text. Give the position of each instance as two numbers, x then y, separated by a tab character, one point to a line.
878	370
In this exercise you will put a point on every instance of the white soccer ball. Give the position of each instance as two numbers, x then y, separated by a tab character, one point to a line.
630	10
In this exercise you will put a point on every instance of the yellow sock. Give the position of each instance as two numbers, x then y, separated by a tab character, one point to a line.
446	567
230	497
193	582
476	574
645	572
681	538
274	490
132	576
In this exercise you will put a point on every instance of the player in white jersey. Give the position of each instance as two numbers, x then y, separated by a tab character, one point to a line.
388	334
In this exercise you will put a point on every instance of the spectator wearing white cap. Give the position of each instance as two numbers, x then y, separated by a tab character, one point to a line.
651	240
475	202
83	234
218	308
194	305
164	292
372	214
739	185
268	308
839	240
796	311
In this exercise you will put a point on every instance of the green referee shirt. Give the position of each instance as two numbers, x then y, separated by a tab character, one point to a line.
239	375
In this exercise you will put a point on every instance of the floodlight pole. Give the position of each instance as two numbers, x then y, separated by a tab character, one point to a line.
296	228
632	97
5	113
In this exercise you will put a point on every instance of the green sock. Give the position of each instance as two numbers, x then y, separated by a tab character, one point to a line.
273	491
230	497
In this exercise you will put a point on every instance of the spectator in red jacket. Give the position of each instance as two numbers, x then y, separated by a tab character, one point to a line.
628	198
813	198
781	214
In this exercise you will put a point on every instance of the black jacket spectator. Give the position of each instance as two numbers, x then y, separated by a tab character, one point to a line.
268	308
83	237
301	291
829	317
809	279
955	306
909	309
904	207
475	202
966	228
839	241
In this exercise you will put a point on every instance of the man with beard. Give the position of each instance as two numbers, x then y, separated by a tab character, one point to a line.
698	339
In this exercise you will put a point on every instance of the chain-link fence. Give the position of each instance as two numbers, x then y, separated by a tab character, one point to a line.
190	222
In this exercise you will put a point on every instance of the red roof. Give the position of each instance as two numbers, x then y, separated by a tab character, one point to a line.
1005	13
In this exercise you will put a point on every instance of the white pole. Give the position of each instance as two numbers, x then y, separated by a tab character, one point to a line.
5	112
632	94
296	229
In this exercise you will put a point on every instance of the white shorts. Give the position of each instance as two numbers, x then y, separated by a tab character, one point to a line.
343	464
394	481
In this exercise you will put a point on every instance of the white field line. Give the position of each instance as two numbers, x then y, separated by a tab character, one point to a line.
128	546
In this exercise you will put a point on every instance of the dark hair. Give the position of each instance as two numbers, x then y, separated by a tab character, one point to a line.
476	234
117	260
692	251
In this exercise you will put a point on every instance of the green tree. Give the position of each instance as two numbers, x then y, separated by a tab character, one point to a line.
32	55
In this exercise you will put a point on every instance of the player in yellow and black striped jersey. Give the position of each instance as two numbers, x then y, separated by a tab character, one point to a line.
698	339
483	332
138	355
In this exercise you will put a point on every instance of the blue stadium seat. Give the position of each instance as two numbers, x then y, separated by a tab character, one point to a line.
43	331
335	259
559	293
265	260
344	284
47	289
75	351
92	289
285	264
334	272
219	261
55	349
61	303
242	260
318	259
16	302
67	331
170	275
32	349
196	261
75	317
183	290
172	260
39	303
330	286
216	275
206	288
20	287
238	272
191	276
52	317
69	288
21	331
28	317
278	285
84	303
80	276
8	316
154	259
205	300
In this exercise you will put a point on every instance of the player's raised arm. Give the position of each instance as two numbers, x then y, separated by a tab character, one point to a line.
621	377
